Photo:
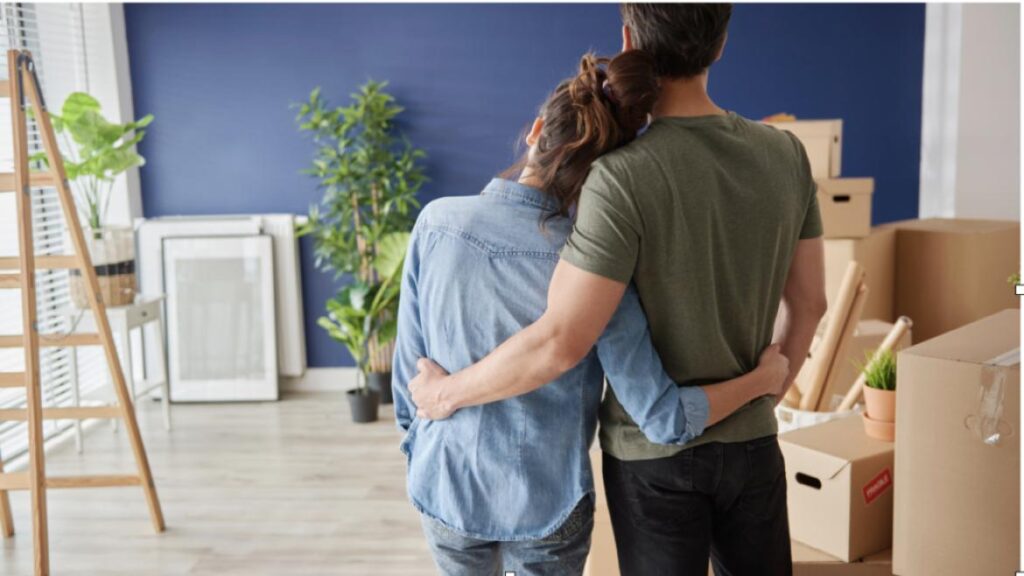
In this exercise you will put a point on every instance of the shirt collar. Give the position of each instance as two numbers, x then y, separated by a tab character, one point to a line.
521	193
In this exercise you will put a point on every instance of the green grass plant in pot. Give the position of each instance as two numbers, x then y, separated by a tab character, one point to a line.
96	151
369	175
880	395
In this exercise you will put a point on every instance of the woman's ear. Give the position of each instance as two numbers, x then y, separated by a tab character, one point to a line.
534	135
627	38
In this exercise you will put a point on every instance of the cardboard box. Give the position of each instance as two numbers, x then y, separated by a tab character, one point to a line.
958	451
952	272
867	337
876	252
603	559
839	484
823	141
810	562
845	205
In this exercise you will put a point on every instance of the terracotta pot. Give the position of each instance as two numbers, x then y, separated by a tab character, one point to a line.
880	404
879	430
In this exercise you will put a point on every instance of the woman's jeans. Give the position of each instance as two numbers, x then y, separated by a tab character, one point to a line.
563	553
726	501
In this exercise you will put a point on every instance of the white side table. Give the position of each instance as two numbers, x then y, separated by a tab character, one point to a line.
124	319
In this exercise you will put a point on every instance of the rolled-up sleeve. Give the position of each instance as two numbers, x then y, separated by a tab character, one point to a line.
665	412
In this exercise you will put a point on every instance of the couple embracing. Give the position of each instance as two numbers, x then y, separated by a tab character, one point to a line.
656	262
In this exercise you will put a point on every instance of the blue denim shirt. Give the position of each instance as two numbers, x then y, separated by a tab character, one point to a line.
477	272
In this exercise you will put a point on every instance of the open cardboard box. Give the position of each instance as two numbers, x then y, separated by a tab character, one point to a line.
839	486
958	452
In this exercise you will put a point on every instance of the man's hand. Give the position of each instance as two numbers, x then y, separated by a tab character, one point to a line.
773	370
427	388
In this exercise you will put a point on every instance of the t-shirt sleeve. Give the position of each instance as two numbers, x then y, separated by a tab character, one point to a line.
605	238
812	227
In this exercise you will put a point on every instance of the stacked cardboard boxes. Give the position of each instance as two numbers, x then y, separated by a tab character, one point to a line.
958	452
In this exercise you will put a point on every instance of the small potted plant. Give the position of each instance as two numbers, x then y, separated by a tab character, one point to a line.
362	313
369	175
97	151
880	396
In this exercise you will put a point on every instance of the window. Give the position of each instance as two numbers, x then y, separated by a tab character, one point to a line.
55	34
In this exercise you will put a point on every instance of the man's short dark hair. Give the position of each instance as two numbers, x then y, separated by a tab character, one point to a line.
683	38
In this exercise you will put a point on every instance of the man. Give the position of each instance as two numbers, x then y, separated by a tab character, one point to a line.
714	218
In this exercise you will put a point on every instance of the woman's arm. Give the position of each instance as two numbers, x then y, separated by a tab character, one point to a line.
665	412
409	344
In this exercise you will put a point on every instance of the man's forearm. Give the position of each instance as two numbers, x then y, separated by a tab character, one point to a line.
795	337
523	363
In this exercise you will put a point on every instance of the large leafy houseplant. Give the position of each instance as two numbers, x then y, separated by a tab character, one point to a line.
96	152
369	176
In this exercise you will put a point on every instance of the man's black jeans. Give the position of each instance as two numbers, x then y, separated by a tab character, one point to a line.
726	501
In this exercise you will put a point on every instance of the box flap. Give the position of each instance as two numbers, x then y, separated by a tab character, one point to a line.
845	186
839	441
992	338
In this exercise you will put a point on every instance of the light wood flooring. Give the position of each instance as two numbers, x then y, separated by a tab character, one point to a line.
276	489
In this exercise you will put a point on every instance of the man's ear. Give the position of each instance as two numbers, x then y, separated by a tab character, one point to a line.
721	49
534	135
627	38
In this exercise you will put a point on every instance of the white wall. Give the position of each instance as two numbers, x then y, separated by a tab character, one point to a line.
970	149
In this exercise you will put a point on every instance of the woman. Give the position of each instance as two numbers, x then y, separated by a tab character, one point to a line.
507	486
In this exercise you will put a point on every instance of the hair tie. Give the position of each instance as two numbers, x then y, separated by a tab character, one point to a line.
609	92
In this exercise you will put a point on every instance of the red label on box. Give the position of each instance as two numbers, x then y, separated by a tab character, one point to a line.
877	486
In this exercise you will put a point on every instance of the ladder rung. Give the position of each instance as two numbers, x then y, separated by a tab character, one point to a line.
14	481
98	481
71	413
12	379
35	180
42	262
10	281
53	341
20	481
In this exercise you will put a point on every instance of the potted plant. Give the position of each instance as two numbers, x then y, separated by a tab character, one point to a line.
96	152
880	396
369	175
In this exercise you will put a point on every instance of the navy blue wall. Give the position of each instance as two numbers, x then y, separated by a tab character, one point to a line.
220	78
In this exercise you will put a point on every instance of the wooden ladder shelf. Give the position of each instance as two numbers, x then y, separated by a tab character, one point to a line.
22	88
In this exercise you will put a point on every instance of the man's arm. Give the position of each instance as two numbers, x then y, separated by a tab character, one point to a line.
580	304
665	412
803	304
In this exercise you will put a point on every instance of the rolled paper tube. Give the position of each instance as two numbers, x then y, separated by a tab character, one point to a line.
846	336
826	350
891	339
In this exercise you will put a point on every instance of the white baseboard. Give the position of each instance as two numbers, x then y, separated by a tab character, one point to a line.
321	379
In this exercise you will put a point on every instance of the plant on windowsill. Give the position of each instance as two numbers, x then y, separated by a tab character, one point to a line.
880	395
96	152
369	175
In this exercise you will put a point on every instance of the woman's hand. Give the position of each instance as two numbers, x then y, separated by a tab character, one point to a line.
773	370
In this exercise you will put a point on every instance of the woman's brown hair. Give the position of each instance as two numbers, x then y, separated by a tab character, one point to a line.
600	109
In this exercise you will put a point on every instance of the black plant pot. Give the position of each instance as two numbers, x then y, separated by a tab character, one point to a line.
364	405
381	382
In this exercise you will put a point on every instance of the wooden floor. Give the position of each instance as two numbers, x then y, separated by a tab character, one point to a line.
281	489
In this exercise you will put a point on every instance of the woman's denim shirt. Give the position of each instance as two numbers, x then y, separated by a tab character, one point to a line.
477	272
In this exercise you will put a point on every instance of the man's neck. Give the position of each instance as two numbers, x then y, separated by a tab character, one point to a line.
686	97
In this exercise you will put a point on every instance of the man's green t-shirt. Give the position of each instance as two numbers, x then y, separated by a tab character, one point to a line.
703	214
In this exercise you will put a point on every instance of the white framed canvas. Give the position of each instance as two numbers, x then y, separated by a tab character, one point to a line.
222	337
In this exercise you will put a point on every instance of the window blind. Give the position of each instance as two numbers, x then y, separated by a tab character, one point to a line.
54	33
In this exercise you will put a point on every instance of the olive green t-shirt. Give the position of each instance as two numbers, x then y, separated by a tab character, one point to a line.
703	214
